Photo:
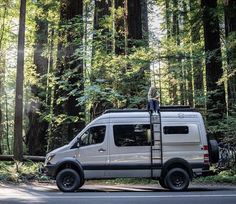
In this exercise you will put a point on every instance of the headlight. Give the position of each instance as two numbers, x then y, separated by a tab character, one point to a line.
50	157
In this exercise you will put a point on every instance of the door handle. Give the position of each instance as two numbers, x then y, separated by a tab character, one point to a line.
101	150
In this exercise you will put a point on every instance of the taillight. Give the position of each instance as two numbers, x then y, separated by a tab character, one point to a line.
205	147
206	158
206	154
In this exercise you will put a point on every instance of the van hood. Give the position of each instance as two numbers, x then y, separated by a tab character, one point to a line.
60	149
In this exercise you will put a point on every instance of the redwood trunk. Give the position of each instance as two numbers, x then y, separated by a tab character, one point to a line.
230	28
18	144
67	130
196	61
36	135
216	95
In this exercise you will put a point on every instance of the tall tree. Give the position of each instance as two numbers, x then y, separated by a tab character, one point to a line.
137	22
36	134
18	144
69	72
215	93
195	26
230	30
176	38
102	43
101	13
137	36
2	69
120	26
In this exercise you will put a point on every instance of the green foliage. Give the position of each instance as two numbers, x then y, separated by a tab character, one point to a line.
223	177
23	172
227	129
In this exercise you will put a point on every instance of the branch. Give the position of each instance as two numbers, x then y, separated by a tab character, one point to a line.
25	158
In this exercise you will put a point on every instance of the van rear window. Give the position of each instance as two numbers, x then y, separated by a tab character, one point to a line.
176	130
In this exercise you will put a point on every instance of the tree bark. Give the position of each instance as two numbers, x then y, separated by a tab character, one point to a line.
1	130
2	73
36	134
174	62
134	22
168	34
104	43
216	95
137	37
197	71
64	132
18	144
120	28
7	124
230	31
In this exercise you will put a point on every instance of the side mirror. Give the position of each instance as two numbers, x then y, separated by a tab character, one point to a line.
78	143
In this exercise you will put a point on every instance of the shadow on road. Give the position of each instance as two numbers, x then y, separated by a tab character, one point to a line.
95	188
47	188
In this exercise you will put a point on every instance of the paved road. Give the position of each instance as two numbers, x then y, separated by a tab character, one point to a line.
89	194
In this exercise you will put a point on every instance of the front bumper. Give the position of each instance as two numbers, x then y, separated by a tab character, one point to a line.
49	170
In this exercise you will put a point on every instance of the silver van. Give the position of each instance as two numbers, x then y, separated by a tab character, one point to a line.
170	146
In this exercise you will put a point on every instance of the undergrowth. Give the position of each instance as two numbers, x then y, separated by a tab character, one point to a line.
228	176
20	172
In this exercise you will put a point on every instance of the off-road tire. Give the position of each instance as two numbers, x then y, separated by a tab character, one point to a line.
177	179
213	151
68	180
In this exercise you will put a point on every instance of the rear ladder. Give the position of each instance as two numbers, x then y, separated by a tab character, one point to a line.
156	144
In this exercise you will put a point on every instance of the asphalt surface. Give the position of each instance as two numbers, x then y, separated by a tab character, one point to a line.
47	193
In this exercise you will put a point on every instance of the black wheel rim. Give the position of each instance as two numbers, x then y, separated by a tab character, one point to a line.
68	180
177	179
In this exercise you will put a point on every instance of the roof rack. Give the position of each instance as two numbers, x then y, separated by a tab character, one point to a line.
181	108
173	108
124	110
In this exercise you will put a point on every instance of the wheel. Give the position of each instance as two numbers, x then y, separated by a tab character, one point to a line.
162	183
177	179
68	180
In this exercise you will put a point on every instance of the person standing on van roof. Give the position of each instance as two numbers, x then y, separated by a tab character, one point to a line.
153	100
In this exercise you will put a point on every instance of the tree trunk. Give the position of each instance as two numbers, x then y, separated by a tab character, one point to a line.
103	43
7	125
2	73
216	95
176	62
36	135
230	31
137	26
120	28
18	144
168	34
144	20
65	131
197	70
134	22
1	130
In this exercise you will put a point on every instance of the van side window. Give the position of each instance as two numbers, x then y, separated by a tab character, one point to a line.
93	135
176	130
132	135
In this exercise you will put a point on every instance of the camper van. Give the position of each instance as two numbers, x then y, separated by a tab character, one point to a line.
170	146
